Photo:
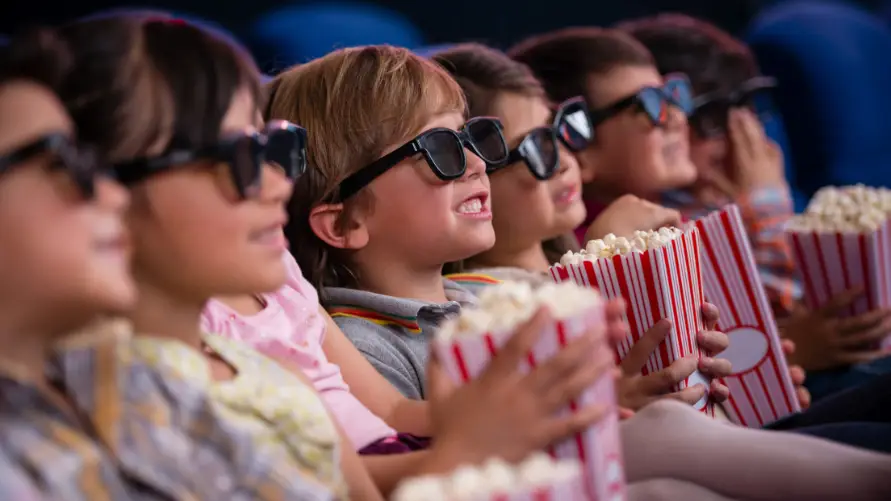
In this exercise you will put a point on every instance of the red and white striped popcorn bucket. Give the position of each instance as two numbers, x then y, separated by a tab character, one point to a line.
598	448
761	389
832	263
664	282
571	490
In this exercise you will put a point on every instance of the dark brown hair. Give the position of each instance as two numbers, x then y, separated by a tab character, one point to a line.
709	56
143	79
564	60
355	103
37	56
483	73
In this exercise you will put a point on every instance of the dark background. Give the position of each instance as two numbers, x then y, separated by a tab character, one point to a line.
497	22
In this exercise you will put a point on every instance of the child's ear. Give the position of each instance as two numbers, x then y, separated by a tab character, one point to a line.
327	222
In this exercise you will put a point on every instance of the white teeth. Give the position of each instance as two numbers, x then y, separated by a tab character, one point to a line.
472	206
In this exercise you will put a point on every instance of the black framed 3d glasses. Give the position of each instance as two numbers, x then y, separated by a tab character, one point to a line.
572	122
443	150
538	150
81	163
654	102
280	143
711	110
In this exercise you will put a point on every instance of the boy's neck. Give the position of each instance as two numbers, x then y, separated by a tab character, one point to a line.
26	351
529	258
399	280
159	313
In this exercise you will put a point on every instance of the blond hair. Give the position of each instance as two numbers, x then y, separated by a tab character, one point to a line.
356	104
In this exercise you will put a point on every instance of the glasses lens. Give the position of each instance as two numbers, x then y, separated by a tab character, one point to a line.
447	153
539	149
677	89
652	102
245	158
82	164
285	148
486	136
574	126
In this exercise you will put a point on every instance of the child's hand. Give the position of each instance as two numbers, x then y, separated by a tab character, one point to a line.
628	214
636	390
757	161
509	414
797	374
825	341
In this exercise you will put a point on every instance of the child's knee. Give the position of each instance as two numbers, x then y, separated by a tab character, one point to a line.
664	410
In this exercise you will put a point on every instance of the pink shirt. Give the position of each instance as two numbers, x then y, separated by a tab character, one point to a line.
291	327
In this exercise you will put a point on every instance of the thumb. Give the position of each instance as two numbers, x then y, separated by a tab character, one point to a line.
645	347
439	386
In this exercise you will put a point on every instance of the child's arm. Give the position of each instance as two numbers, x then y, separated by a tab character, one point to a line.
372	389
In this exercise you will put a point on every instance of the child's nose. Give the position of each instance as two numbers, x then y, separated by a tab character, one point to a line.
111	195
676	118
275	185
476	167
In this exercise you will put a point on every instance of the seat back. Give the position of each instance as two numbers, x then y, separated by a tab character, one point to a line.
833	64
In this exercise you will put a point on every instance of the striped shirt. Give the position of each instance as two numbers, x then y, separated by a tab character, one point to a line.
137	433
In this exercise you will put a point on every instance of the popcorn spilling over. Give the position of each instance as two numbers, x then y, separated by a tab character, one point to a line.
494	478
504	306
612	245
848	209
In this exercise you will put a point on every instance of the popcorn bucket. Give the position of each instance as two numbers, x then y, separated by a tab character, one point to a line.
761	390
571	490
664	282
598	448
832	263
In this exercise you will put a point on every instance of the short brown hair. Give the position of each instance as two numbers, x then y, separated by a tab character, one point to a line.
355	104
483	72
708	55
143	77
564	59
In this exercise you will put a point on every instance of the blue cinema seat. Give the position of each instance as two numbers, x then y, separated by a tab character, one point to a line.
833	64
299	33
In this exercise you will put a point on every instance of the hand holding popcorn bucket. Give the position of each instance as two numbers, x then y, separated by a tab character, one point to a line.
658	275
538	478
843	241
466	346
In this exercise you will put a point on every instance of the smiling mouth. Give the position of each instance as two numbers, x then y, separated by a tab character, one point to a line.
475	207
567	195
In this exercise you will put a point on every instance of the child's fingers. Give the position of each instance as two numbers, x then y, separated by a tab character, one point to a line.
804	397
716	367
710	316
508	358
576	354
718	391
840	302
689	395
870	336
797	375
573	385
641	351
712	342
855	325
576	422
662	382
788	346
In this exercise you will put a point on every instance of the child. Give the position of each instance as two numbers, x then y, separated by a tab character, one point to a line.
737	162
639	144
537	196
361	103
80	418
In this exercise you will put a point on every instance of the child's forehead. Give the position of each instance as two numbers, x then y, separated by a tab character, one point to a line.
621	82
28	111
